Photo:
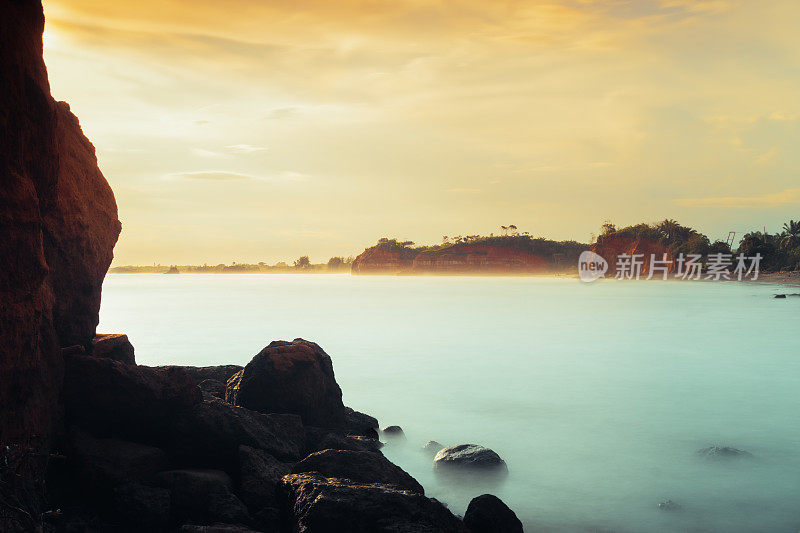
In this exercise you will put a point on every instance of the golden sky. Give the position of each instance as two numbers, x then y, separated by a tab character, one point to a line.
256	130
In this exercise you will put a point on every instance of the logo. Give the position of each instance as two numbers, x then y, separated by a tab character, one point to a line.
591	266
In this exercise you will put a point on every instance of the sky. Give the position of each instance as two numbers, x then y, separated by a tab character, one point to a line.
262	130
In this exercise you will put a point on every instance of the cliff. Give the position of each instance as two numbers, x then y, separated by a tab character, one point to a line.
381	259
58	221
611	246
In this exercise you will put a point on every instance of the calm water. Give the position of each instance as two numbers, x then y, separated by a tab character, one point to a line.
597	395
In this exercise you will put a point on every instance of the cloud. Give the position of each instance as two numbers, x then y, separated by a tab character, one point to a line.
201	152
461	190
246	148
786	197
212	175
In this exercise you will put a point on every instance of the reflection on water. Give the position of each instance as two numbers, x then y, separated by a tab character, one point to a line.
597	396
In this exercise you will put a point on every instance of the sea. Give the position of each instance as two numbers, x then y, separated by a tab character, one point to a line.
597	395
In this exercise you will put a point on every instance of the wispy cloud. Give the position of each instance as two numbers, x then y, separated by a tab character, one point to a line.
212	175
460	190
246	148
786	197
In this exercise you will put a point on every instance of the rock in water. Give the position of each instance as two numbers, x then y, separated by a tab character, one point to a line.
393	431
469	457
114	346
488	514
669	505
318	504
432	447
359	466
723	452
290	377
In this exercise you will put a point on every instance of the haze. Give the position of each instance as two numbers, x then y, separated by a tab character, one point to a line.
253	130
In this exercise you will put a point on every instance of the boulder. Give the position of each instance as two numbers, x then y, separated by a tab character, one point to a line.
488	514
359	466
318	504
722	452
259	473
100	464
393	431
115	399
470	457
140	505
337	441
203	496
215	528
113	346
290	377
432	448
210	433
361	424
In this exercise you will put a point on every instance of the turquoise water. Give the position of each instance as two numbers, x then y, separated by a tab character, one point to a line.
596	395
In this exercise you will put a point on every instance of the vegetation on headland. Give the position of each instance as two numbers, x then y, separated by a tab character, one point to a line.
779	251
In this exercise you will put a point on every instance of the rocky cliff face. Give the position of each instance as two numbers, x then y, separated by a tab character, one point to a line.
612	246
378	260
58	227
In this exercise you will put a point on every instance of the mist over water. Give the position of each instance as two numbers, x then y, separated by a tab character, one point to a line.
596	395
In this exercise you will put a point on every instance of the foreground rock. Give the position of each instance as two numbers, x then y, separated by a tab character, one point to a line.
469	457
203	496
115	399
336	441
114	346
488	514
290	377
259	473
211	432
723	452
358	466
142	505
316	504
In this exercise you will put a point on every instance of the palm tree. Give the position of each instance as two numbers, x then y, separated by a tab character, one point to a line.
791	234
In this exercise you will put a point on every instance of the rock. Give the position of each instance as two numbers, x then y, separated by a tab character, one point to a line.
357	423
722	452
468	457
432	448
203	496
58	227
359	466
218	373
780	296
290	377
318	504
113	346
114	399
259	473
335	441
393	431
211	432
101	464
669	505
215	528
140	505
213	388
488	514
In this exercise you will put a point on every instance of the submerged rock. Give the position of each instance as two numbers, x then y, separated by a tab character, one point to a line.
669	505
722	452
488	514
393	431
359	466
469	457
290	377
334	505
432	447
